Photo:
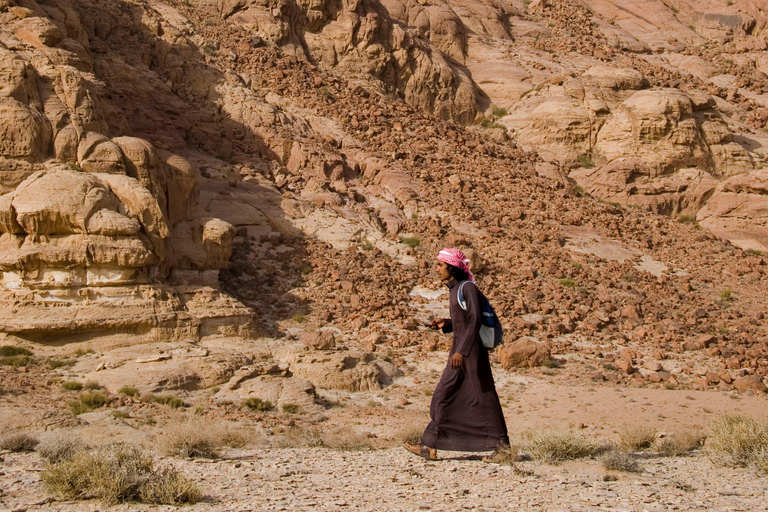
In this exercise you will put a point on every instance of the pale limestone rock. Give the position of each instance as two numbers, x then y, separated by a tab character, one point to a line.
97	154
65	144
38	32
204	243
559	126
738	210
60	202
346	371
24	132
111	223
8	223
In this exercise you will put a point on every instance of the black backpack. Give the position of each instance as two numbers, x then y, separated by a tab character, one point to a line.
491	333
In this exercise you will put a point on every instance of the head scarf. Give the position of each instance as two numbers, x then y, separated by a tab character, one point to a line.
456	258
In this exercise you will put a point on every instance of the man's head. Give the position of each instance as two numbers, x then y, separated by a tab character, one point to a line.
452	263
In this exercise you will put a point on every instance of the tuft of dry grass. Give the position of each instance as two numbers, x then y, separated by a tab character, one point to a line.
117	473
558	445
411	434
636	437
340	438
199	438
680	443
59	445
618	460
19	442
739	441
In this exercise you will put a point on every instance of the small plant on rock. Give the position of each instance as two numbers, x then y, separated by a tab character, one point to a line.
257	404
129	391
72	385
291	408
199	438
169	400
567	282
88	401
11	355
410	241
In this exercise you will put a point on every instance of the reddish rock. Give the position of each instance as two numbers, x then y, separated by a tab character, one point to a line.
318	340
750	382
524	352
712	378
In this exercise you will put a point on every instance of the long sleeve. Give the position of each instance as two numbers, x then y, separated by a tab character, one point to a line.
447	326
473	322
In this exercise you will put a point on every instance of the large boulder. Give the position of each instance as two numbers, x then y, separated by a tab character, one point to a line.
97	154
24	132
200	244
738	211
60	201
524	352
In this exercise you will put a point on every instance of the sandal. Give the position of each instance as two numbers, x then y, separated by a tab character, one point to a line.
421	450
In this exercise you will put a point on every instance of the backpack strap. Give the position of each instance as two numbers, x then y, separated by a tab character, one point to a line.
460	296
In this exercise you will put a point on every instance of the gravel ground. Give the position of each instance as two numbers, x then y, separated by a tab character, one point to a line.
393	479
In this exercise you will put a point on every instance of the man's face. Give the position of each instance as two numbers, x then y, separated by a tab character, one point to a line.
442	270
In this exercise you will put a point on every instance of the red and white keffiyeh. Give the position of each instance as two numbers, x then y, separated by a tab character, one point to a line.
456	258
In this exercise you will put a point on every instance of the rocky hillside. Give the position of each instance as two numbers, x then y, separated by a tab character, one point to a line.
180	170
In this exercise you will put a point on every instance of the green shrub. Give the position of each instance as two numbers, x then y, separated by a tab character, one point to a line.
299	318
753	252
12	350
129	391
169	400
410	241
55	362
567	282
114	474
257	404
585	161
689	219
498	112
72	385
88	401
290	408
726	295
11	355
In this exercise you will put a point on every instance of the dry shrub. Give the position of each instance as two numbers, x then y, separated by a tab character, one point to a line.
341	438
117	473
411	434
680	443
346	439
299	437
168	487
738	440
200	438
559	445
19	442
636	437
618	460
59	445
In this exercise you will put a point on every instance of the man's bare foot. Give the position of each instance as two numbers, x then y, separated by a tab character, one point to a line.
421	450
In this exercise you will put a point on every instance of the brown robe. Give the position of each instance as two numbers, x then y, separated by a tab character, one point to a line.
465	410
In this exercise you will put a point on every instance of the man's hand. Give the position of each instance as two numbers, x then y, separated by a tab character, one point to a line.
456	360
437	323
